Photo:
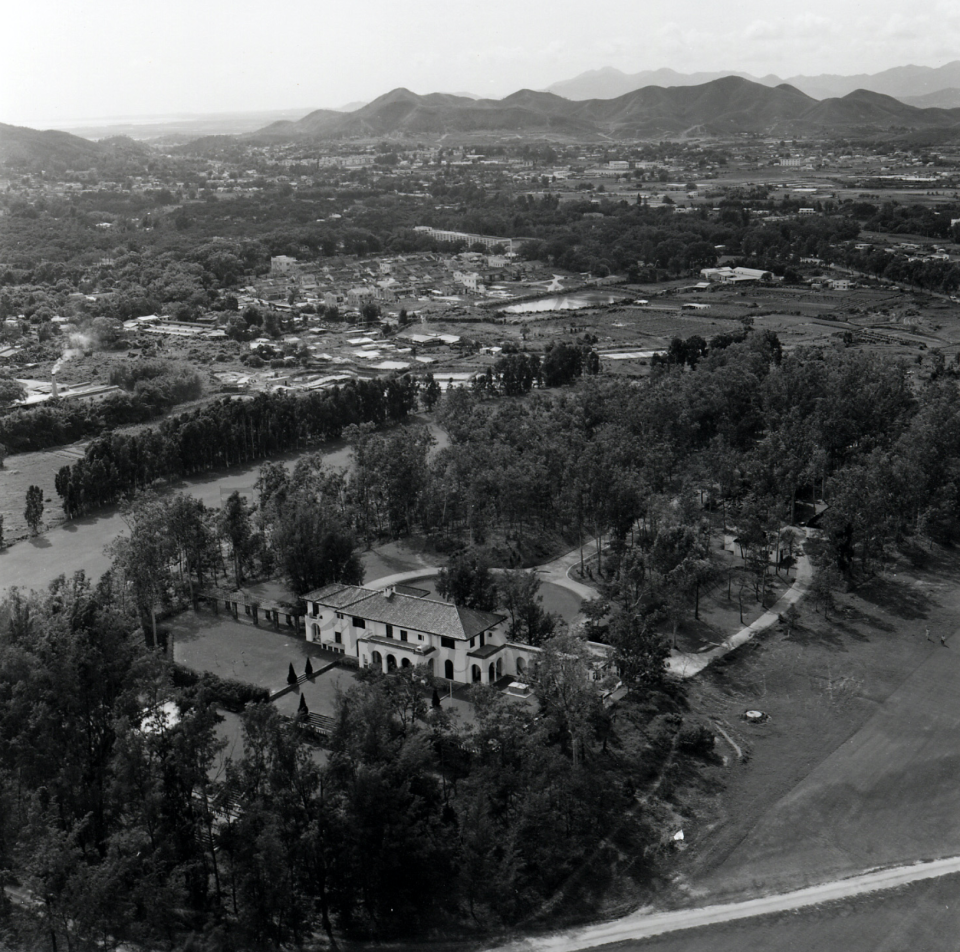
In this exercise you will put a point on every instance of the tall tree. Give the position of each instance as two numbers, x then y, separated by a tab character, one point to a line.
313	547
144	559
236	525
33	512
468	581
519	595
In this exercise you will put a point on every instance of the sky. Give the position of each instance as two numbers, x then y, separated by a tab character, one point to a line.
66	61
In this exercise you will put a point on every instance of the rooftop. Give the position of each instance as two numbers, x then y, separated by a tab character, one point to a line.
406	611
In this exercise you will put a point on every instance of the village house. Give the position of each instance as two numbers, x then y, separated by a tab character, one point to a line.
282	264
469	279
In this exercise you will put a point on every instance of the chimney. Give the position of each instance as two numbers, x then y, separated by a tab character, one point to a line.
54	393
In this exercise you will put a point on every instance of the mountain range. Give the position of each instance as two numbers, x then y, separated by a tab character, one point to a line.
722	106
902	82
725	106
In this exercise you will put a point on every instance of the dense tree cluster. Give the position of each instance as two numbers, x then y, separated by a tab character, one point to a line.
122	824
757	435
227	432
931	274
182	257
151	388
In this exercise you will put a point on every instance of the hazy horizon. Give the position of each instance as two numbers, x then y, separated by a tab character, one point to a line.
106	62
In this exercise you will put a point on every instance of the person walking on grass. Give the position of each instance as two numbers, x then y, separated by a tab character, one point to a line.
928	636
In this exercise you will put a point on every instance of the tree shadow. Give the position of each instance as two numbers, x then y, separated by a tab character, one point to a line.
827	634
895	597
40	542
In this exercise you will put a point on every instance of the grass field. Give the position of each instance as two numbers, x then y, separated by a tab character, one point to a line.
857	766
922	917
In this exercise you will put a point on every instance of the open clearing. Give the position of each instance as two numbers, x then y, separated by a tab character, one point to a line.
855	769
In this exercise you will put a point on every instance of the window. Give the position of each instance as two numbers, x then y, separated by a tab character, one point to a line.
473	642
389	631
403	635
447	642
338	637
339	614
419	637
359	622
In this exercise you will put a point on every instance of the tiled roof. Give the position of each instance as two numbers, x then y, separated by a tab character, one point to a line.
336	595
405	611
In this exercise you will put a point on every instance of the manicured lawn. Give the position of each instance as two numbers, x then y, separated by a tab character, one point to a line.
320	692
858	764
237	650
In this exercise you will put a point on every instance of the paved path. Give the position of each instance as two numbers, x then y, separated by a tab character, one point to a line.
556	571
687	665
644	924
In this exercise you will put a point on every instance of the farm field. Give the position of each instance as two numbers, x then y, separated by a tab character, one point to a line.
856	766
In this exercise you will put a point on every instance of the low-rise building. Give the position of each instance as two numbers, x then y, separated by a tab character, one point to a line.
736	275
281	264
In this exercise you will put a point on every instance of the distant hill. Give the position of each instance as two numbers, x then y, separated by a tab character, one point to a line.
402	111
941	99
20	146
731	104
899	82
722	106
864	108
609	83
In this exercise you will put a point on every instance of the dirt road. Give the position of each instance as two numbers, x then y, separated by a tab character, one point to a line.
643	925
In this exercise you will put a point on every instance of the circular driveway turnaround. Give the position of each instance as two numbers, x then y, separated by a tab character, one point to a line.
680	663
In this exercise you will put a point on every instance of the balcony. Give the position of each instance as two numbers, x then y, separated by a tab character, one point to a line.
421	650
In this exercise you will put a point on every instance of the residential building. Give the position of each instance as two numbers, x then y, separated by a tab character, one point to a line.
357	297
281	264
389	629
469	279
